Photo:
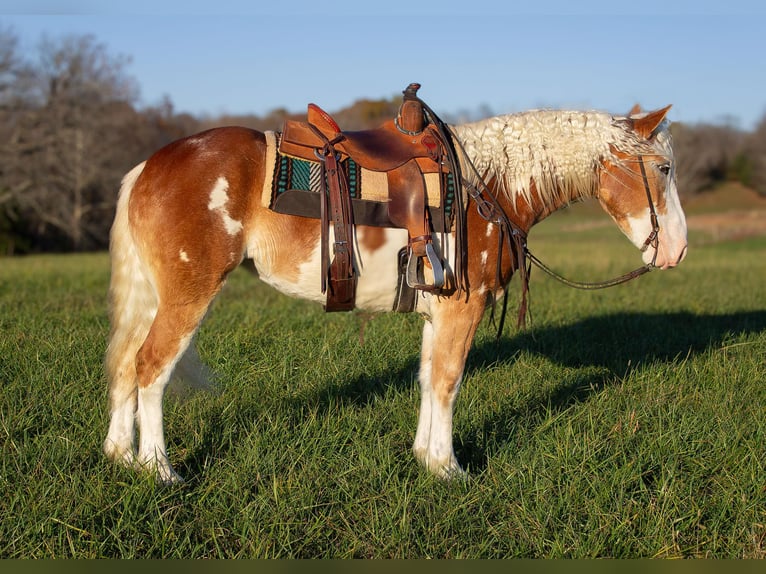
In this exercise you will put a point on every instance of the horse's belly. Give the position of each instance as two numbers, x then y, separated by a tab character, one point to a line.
298	274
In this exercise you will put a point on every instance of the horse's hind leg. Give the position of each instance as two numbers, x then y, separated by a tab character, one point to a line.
167	341
138	381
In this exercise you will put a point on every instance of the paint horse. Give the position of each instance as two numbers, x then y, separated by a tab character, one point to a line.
193	211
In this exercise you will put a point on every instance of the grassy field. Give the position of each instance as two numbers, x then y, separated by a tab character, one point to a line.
629	422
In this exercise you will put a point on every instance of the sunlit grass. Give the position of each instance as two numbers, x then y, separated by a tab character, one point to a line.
622	423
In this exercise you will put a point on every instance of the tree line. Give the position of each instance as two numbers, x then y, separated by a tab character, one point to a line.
71	127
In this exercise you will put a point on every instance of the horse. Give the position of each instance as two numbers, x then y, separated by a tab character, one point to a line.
192	212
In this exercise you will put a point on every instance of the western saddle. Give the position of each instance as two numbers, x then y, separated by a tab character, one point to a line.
406	148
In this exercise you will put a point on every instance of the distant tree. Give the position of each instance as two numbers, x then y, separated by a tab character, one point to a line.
756	154
12	76
705	155
64	139
69	130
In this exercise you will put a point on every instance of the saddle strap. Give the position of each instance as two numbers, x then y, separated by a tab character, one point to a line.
341	291
408	210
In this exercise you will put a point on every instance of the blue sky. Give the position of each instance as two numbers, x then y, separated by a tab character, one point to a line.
228	56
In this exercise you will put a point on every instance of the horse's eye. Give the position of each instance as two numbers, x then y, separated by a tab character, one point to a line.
664	168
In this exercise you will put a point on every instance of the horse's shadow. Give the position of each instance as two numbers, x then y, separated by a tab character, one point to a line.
604	348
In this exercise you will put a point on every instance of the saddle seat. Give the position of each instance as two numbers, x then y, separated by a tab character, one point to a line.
384	148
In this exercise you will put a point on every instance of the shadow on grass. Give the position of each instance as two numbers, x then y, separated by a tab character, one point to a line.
606	348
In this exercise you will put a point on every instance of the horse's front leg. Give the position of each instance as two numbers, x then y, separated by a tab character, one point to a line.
447	338
423	434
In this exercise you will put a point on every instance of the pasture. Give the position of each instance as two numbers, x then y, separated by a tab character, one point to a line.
629	422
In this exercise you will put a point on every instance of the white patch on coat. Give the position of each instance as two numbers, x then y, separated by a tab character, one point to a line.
218	200
183	256
484	257
376	287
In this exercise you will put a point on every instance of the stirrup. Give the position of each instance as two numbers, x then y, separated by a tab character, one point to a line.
415	276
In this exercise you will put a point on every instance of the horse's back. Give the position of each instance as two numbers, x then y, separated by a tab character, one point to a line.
231	152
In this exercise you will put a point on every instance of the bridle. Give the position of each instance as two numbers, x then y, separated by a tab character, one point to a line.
489	209
651	241
516	238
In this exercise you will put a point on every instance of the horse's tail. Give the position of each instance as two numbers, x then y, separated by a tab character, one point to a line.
132	300
132	308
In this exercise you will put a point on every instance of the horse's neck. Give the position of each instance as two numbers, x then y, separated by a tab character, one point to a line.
538	162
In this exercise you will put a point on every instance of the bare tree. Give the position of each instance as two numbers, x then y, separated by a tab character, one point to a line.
704	154
61	149
11	70
755	153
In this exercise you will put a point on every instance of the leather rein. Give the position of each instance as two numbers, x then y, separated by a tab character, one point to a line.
516	239
490	210
651	241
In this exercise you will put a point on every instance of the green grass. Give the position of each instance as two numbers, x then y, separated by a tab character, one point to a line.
629	422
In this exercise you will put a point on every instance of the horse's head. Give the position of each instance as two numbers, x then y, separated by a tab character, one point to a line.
638	182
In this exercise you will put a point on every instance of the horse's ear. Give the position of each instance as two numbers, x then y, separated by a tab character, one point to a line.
636	109
646	125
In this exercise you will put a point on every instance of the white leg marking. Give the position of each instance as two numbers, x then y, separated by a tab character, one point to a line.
152	454
433	439
441	456
436	411
119	443
423	434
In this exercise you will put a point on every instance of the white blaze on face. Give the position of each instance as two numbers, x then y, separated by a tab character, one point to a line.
218	200
674	219
672	238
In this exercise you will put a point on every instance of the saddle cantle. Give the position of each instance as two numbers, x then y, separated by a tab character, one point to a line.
407	149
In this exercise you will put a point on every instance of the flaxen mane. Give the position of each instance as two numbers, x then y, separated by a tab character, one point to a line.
561	151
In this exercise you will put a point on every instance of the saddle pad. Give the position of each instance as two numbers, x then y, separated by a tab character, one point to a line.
292	187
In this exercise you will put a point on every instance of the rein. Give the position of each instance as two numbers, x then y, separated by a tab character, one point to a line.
652	240
490	210
511	234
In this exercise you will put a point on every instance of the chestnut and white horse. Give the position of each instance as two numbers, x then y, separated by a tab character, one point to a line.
192	212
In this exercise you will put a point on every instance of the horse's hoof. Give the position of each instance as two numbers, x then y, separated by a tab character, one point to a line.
169	478
452	473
